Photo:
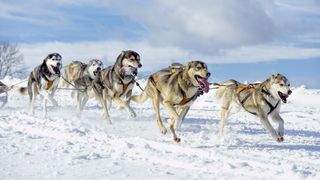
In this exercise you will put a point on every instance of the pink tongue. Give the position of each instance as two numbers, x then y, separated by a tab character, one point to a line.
206	84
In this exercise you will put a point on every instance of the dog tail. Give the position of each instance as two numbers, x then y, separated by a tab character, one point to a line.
222	87
23	90
220	92
140	98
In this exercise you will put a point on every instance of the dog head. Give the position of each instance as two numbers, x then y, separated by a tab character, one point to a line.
54	63
197	71
128	62
94	67
280	87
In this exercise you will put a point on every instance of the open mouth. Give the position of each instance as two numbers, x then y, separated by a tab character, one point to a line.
128	71
283	96
203	82
55	69
133	70
95	72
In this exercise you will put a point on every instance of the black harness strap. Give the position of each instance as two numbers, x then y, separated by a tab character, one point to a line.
272	108
49	82
244	100
184	100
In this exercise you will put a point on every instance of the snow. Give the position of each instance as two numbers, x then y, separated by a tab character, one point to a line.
66	147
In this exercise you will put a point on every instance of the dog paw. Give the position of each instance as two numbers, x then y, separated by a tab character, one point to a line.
133	115
177	139
280	139
164	131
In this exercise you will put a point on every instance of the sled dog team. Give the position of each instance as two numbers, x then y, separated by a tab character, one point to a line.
176	87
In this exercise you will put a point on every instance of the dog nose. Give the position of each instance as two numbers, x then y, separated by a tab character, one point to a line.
289	92
99	68
140	65
208	74
58	64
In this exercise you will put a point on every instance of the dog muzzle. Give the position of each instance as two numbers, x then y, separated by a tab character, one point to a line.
284	96
129	71
56	69
96	71
203	82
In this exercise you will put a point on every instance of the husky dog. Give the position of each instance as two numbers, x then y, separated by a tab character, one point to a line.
115	83
261	99
176	87
44	80
81	75
76	69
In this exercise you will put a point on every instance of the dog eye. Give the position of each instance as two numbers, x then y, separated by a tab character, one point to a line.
198	68
281	84
288	84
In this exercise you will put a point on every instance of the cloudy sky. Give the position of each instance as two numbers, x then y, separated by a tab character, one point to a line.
240	39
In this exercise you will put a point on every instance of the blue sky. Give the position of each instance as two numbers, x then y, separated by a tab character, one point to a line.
244	40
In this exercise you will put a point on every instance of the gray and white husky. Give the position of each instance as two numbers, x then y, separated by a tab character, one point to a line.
43	81
81	76
262	100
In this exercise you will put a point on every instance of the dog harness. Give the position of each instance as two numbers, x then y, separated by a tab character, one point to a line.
184	100
106	81
49	82
251	89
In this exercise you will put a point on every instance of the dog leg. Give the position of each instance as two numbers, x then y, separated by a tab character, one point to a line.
125	105
277	118
44	107
79	99
53	101
265	122
224	114
103	101
84	101
47	96
174	117
182	114
109	102
156	107
130	110
33	99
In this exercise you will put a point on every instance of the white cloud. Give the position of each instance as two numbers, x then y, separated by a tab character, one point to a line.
204	25
269	52
152	57
216	31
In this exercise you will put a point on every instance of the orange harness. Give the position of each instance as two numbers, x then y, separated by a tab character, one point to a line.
124	88
49	84
241	88
251	89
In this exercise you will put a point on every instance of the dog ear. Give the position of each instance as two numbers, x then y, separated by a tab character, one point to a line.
45	59
120	58
187	66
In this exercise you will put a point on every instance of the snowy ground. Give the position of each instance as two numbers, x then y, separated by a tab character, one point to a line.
64	147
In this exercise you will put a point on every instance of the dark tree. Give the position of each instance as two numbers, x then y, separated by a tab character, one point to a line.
11	60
